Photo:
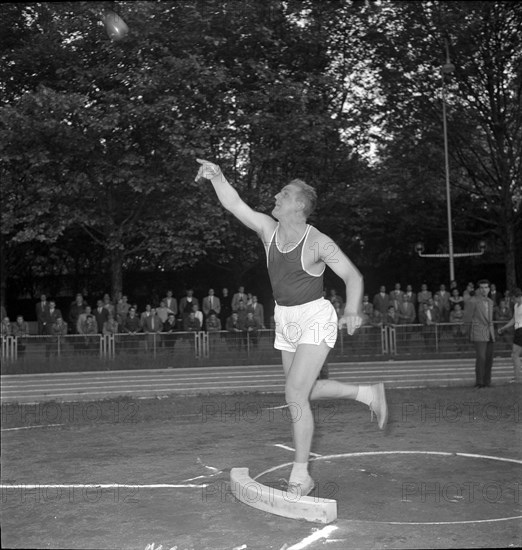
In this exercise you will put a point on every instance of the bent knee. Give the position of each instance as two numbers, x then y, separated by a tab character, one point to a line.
296	394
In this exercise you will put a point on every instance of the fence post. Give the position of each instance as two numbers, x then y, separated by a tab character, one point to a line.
197	344
205	345
9	348
112	346
393	340
384	340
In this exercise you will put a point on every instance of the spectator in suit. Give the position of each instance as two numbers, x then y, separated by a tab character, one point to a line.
90	333
211	303
191	323
85	322
258	311
170	326
111	326
428	318
107	304
101	314
396	297
444	303
251	327
456	299
6	328
410	295
457	319
58	329
239	296
407	313
82	318
392	316
235	329
198	314
186	303
131	325
510	299
407	316
20	329
41	309
226	306
122	309
367	311
171	303
423	295
241	311
163	311
468	293
495	295
381	301
52	314
213	323
152	326
502	314
145	315
75	310
478	321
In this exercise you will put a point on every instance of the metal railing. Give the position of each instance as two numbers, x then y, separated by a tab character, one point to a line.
189	349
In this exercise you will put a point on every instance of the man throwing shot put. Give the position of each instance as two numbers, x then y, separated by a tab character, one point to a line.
306	323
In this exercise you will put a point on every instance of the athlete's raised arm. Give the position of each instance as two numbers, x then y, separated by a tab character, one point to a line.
262	224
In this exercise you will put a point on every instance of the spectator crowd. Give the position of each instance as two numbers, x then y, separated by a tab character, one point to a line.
241	312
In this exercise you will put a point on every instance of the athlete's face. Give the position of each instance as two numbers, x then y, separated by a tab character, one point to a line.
286	201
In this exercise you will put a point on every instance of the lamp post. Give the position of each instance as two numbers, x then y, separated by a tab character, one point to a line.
446	69
419	249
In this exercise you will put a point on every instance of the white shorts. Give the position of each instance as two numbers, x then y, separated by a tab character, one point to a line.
310	323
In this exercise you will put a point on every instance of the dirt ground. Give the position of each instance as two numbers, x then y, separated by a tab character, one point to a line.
386	498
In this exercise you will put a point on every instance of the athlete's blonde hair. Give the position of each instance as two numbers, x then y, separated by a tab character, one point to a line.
308	194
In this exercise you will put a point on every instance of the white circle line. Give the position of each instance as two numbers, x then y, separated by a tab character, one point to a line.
440	453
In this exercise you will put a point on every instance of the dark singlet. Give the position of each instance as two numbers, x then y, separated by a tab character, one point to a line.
292	285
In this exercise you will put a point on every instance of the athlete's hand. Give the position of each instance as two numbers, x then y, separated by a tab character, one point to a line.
353	321
207	170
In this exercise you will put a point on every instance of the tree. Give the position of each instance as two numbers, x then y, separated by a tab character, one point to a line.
484	102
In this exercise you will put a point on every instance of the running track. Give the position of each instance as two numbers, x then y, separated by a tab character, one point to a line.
37	388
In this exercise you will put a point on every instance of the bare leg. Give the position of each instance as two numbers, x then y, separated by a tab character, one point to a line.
301	370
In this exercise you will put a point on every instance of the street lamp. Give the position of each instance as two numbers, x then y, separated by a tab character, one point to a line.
447	69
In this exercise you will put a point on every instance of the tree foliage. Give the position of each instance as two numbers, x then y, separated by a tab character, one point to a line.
98	139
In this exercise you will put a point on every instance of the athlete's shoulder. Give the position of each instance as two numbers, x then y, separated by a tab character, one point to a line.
317	235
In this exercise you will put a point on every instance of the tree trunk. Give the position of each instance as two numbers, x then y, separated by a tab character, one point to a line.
510	255
116	273
3	273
